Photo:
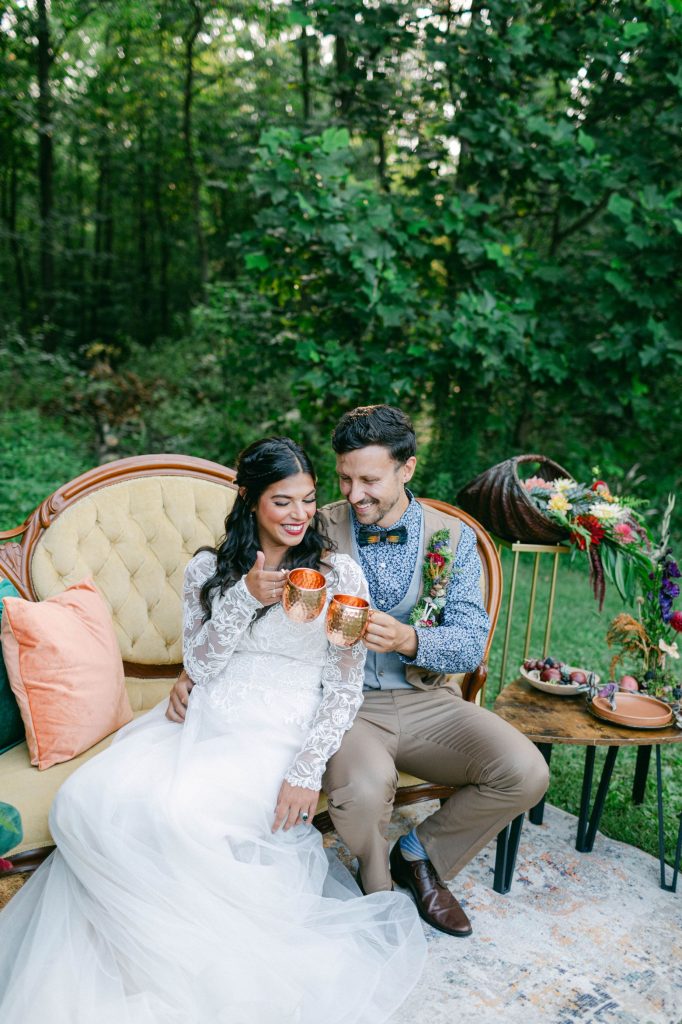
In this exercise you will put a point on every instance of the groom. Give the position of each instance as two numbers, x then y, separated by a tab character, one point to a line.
413	718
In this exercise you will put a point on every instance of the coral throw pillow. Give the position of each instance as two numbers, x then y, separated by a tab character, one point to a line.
65	668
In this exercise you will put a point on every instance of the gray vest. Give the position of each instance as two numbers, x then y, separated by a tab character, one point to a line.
336	519
387	671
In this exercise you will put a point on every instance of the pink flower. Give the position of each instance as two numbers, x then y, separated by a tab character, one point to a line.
676	621
5	865
625	533
536	481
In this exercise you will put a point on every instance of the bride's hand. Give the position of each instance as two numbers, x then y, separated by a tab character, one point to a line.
292	802
266	585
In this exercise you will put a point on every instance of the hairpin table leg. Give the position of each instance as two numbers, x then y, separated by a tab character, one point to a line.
661	831
505	855
641	772
586	833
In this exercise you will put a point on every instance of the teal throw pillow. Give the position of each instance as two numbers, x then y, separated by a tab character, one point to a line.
11	726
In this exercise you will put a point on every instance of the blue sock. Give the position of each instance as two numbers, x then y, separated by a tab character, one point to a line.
411	848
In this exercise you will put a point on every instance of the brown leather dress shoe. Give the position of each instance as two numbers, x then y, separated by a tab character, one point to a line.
435	903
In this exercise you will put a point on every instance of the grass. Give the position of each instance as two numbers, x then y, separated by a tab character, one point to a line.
578	637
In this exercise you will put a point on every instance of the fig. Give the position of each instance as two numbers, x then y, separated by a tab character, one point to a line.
578	676
629	683
550	675
529	664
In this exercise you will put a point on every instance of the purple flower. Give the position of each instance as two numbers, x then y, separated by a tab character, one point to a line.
671	569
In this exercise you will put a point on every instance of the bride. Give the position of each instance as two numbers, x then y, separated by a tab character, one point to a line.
188	886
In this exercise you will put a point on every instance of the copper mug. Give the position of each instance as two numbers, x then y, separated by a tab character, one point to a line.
347	619
305	594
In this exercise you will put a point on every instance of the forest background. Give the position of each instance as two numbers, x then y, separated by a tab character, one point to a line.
220	220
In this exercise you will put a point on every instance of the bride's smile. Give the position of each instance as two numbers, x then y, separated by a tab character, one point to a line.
283	513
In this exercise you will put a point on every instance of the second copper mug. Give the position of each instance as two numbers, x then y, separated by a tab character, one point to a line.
347	618
304	595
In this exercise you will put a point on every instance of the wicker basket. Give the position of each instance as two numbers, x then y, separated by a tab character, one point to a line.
499	501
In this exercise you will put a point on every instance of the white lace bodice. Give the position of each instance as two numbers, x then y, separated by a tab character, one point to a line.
231	659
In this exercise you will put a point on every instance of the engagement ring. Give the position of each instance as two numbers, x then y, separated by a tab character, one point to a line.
305	816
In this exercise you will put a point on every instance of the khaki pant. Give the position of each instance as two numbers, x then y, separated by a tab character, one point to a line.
440	738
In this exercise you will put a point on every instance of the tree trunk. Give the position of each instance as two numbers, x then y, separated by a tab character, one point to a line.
144	283
100	312
45	159
304	51
15	245
193	32
381	164
343	96
164	249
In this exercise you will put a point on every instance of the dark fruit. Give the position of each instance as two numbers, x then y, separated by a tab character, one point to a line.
578	677
550	675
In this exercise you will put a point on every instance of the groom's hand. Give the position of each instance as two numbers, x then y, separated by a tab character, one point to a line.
385	634
292	802
177	700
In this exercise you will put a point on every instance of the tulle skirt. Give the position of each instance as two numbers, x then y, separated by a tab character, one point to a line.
170	901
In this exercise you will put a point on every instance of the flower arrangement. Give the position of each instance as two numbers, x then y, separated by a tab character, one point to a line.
607	527
436	574
650	640
610	529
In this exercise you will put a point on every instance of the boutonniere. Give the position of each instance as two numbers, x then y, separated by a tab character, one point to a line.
436	574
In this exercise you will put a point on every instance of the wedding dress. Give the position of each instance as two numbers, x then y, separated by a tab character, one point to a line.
169	900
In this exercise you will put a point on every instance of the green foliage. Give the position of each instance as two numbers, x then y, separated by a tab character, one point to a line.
11	831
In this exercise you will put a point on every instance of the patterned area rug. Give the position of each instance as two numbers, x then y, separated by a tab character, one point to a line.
580	939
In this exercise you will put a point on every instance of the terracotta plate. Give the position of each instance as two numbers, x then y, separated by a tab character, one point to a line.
635	710
560	689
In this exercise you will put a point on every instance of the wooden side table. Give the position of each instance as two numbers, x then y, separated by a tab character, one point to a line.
546	719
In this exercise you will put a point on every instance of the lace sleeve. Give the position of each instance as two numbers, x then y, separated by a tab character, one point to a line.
343	676
208	646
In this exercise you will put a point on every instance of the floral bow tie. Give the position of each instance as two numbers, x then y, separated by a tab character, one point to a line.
377	535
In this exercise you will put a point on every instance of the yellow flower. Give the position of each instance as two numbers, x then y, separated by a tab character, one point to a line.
559	503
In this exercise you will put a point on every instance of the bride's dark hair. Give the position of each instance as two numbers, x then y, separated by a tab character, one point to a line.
260	464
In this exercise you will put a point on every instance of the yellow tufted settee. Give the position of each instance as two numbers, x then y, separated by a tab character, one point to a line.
132	525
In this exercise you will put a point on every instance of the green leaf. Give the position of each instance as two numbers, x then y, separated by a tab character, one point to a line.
586	141
619	574
335	138
621	208
636	30
256	261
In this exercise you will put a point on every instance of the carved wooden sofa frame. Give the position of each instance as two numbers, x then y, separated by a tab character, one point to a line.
132	525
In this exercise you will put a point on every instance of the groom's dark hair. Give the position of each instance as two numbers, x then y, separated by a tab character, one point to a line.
376	424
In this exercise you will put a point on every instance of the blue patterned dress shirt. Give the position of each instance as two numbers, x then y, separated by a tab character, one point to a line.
456	645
